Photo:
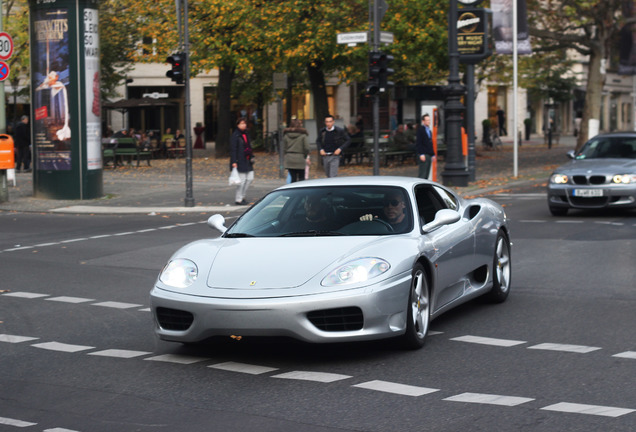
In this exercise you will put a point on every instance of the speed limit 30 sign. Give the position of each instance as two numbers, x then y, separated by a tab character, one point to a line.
6	46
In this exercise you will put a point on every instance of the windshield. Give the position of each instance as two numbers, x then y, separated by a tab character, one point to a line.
608	147
327	211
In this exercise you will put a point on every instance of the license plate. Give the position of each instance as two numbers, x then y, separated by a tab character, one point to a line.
588	193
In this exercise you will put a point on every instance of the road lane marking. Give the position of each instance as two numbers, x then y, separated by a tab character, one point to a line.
58	346
177	358
14	422
581	349
395	388
117	305
243	368
66	299
489	399
15	339
588	409
569	222
74	240
533	221
23	294
488	341
119	353
324	377
57	429
626	354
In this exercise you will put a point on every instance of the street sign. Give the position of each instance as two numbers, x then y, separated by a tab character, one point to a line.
386	37
6	46
4	71
352	38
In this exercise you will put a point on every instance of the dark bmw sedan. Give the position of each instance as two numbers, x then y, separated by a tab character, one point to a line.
602	174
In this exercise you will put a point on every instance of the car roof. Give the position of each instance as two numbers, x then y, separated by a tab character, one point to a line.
405	182
618	134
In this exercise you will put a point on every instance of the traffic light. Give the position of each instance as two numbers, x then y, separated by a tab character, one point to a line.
178	62
385	71
379	72
373	84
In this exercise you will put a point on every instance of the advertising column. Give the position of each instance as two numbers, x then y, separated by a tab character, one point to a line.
65	99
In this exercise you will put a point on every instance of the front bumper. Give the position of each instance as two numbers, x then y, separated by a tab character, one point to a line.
382	309
614	196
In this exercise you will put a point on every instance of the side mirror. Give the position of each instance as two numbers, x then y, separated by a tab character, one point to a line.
442	217
217	222
571	154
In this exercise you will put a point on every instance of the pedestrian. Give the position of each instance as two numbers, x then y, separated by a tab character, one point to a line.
198	131
332	140
22	143
296	147
424	147
242	159
501	121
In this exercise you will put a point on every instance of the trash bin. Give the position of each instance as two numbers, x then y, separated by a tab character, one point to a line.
7	161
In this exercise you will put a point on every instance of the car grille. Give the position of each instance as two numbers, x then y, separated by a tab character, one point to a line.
591	180
339	319
588	202
174	319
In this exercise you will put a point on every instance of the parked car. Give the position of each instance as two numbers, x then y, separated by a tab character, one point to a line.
340	259
602	174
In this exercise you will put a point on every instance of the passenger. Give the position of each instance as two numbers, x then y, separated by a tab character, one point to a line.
319	216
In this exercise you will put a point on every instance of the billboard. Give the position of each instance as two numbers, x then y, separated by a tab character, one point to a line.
502	27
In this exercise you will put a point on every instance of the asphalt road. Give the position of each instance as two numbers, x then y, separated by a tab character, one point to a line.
77	350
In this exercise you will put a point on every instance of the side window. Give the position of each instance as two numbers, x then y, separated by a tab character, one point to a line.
428	203
450	201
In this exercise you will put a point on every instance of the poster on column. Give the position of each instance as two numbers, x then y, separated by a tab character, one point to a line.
91	87
502	27
51	77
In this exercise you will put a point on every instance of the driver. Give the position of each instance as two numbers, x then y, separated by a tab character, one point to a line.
393	212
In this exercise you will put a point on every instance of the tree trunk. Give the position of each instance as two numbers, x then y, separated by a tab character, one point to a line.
319	90
593	95
224	92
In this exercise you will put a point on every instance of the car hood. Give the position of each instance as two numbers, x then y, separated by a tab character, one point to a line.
599	166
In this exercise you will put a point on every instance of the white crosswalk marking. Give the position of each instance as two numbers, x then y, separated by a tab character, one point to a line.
395	388
59	430
564	347
66	299
176	358
324	377
488	341
117	305
120	353
57	346
588	409
14	422
626	354
489	399
242	368
23	294
15	339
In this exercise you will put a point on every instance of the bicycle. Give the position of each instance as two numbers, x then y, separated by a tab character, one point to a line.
271	142
493	141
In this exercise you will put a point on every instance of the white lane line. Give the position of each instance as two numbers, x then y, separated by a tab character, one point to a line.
488	341
119	353
57	429
243	368
123	233
588	409
312	376
395	388
116	305
45	244
18	248
626	354
581	349
23	294
176	358
101	236
146	230
434	333
66	299
144	310
15	339
57	346
14	422
490	399
74	240
532	221
569	222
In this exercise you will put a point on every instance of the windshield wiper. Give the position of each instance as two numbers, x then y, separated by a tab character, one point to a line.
238	235
312	233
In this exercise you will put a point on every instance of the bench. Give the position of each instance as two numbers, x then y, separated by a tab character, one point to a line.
118	149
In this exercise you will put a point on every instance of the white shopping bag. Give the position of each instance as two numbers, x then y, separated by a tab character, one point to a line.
234	177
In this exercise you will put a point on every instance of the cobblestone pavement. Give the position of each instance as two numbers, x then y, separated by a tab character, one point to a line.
162	186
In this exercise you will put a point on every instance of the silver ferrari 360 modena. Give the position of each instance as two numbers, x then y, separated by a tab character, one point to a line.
340	259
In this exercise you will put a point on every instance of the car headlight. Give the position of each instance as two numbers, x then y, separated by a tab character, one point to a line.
624	178
356	271
179	273
559	179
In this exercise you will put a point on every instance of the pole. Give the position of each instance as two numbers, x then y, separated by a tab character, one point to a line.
376	97
455	172
470	119
515	55
189	198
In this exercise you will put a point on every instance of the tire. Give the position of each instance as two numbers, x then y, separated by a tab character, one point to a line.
418	312
558	211
501	270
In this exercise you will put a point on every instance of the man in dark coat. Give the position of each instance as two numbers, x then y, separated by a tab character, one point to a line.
22	142
332	140
424	147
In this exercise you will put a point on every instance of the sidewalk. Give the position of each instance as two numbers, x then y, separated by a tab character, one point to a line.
161	188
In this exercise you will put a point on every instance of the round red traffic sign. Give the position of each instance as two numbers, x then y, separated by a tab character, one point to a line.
6	46
4	71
